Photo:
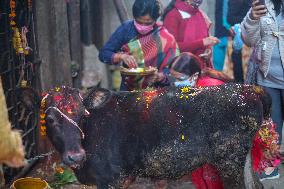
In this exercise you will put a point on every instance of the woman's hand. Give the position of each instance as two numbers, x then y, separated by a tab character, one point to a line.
156	77
210	41
206	55
128	60
257	11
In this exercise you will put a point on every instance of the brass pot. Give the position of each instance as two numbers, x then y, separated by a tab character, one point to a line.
30	183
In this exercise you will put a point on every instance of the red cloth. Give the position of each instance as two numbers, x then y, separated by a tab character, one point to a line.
206	177
197	178
189	39
208	81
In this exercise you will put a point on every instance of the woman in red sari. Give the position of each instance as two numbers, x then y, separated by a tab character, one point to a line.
190	26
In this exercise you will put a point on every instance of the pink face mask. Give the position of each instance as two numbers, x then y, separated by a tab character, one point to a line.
142	29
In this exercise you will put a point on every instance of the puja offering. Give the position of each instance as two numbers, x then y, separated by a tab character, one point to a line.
138	71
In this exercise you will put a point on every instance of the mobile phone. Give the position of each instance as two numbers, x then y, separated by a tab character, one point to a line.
260	2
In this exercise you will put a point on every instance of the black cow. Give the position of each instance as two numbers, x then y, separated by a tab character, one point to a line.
162	134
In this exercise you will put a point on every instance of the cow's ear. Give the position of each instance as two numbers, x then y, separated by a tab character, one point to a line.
29	97
96	98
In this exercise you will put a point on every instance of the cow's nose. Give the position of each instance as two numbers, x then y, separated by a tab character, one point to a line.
73	158
76	157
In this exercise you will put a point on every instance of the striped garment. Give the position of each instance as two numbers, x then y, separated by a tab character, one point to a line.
157	49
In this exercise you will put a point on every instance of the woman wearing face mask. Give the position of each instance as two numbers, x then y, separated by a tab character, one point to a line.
142	43
190	26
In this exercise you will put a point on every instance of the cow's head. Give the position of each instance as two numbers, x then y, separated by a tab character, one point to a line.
60	111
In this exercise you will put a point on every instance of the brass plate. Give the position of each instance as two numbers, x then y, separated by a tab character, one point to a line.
138	71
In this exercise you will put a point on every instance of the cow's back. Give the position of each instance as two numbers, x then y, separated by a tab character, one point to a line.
169	132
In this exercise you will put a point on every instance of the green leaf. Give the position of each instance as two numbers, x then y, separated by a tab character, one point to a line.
61	179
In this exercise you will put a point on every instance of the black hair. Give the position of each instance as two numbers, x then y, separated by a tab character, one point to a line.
144	7
186	63
278	6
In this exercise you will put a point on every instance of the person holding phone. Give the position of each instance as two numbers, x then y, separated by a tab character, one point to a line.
263	29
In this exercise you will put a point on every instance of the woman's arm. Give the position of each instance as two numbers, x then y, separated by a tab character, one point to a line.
251	24
172	23
191	46
250	30
110	51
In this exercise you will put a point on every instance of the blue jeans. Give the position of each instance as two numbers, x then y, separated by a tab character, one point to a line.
219	53
277	96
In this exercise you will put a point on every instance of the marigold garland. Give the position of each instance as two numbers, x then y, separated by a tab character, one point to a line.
17	42
265	151
42	116
19	38
12	14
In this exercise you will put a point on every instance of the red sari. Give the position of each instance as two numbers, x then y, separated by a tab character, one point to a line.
189	26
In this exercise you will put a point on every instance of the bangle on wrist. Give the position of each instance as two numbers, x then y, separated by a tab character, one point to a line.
117	58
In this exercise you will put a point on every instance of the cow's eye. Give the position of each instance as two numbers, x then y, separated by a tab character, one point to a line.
49	120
